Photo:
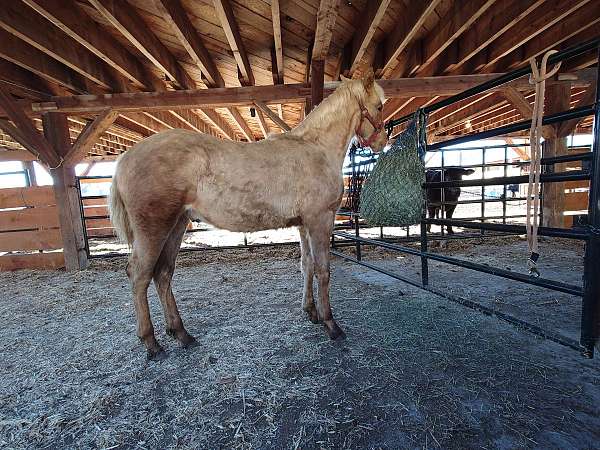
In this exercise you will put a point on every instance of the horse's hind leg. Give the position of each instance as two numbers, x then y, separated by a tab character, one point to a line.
320	229
308	272
144	255
163	275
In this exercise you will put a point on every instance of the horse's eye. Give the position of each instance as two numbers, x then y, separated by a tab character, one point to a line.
380	107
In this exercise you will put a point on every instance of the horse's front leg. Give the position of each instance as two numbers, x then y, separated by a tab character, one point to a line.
319	231
308	273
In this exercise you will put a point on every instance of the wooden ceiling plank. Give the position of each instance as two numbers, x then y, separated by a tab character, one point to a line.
368	24
131	25
230	27
37	32
89	135
278	44
73	21
404	33
271	115
326	17
25	132
175	15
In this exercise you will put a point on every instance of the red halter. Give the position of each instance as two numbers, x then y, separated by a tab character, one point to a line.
377	125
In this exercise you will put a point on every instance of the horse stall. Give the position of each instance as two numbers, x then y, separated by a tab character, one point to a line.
140	314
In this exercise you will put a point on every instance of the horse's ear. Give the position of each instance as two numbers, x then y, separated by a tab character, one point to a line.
343	78
368	79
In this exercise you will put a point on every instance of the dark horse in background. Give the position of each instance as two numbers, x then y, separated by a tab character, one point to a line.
451	194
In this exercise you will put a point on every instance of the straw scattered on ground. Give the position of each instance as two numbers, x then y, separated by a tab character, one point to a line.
415	371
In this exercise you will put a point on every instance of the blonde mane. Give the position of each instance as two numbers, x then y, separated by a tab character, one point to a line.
342	102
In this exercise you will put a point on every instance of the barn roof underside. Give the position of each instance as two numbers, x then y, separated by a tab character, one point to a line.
59	48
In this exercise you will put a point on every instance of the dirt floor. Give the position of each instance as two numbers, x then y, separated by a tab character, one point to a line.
416	370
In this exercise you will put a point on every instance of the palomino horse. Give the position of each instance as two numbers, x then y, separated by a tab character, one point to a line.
290	179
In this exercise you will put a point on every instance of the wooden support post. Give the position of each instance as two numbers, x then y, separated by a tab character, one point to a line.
56	131
317	81
553	201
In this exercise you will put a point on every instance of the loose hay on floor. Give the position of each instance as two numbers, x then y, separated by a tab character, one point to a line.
415	372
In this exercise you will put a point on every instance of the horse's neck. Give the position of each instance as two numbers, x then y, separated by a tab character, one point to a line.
334	132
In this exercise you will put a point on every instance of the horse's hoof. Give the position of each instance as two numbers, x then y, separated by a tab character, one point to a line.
156	354
188	341
313	316
334	331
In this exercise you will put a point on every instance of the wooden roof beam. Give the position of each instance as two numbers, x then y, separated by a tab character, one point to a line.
288	93
37	32
241	123
326	17
278	74
369	21
174	14
217	122
129	23
24	55
404	33
230	27
489	27
74	22
460	17
540	20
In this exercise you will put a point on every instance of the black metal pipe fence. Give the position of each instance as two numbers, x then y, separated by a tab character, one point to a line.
590	234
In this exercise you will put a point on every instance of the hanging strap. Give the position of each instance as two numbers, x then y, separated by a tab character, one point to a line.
538	77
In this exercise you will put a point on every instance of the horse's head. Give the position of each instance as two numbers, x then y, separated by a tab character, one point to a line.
370	131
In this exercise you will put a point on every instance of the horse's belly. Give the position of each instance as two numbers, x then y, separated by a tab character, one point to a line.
243	218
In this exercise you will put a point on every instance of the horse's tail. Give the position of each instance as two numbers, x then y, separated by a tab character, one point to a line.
118	213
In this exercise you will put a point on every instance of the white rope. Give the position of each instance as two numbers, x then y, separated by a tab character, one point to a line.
537	77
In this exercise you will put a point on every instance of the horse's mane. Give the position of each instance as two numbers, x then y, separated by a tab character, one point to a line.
342	102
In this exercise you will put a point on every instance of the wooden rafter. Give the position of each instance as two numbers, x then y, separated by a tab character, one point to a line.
211	116
543	18
404	33
369	21
460	17
74	22
27	25
230	27
131	25
173	12
489	27
24	55
277	41
241	123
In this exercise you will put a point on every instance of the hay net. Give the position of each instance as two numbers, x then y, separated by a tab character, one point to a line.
392	195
